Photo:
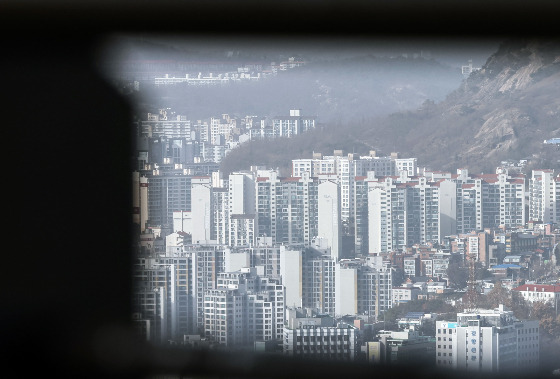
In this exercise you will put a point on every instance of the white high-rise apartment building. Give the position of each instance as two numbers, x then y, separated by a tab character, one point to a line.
163	295
329	227
544	196
291	272
488	341
287	208
220	129
294	124
220	215
201	209
318	282
375	287
158	125
408	165
346	289
241	192
347	168
489	200
265	259
402	212
244	308
241	219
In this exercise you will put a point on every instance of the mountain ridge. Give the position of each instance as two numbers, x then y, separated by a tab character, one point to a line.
503	111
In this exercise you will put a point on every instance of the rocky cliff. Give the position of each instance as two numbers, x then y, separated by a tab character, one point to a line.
504	111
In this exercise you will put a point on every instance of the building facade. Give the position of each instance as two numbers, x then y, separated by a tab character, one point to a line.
488	341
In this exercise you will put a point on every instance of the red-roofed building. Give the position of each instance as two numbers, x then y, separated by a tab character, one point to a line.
540	292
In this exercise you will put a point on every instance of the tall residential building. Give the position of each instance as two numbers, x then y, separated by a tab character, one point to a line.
201	209
346	168
489	200
207	262
294	124
375	287
139	200
163	294
220	215
363	287
318	281
488	341
328	214
291	272
158	125
243	309
544	196
150	314
266	259
346	289
242	220
167	150
287	208
169	190
402	212
360	227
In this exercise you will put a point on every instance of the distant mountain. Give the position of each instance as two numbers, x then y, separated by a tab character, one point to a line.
335	89
503	111
336	85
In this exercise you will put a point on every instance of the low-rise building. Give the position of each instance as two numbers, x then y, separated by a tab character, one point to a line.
402	347
318	336
547	293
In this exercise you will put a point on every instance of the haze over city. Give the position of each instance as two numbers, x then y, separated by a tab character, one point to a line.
261	226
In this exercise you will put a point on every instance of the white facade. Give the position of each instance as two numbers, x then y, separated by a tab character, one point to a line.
329	216
178	128
346	168
244	309
401	212
287	208
346	290
488	341
236	259
318	283
404	294
447	208
241	191
201	212
291	268
408	165
182	222
379	225
545	293
544	196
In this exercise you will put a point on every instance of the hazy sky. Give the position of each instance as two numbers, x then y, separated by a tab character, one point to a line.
454	52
